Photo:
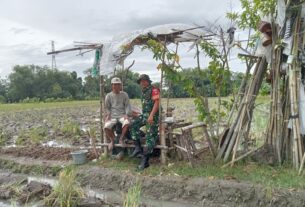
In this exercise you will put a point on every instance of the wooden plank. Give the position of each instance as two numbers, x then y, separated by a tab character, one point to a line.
210	142
247	55
200	124
188	148
181	148
132	145
241	157
202	150
180	125
170	135
182	144
85	47
179	153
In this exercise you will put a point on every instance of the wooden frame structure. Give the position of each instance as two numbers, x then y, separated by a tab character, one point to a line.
165	38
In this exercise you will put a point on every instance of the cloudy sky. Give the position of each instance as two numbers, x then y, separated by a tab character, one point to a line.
28	26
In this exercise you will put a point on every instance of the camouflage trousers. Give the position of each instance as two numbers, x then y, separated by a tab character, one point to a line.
151	131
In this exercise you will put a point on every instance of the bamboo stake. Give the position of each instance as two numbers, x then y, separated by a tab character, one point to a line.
161	124
241	157
293	82
302	164
249	103
228	143
102	99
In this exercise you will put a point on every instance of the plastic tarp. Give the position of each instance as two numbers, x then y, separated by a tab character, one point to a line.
281	13
112	53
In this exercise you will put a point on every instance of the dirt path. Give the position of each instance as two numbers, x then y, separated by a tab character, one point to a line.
188	191
198	191
43	153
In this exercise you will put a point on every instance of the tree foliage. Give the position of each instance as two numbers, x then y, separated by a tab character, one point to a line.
251	12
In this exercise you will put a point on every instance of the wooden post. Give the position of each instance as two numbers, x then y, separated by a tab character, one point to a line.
162	125
102	105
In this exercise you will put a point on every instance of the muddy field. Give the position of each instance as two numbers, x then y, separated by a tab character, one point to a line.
64	126
45	153
39	142
169	190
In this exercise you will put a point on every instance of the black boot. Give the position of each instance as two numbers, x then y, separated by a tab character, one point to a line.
137	150
144	162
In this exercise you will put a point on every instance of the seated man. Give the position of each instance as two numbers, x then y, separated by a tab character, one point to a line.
117	109
149	118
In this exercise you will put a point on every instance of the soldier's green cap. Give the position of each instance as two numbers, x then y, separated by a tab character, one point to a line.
143	77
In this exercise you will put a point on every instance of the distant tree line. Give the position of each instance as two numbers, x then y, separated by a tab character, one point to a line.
35	83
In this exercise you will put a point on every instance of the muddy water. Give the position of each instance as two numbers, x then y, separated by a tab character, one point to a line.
115	197
5	204
112	196
50	181
15	204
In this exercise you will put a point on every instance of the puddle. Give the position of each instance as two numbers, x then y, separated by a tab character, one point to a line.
118	198
54	143
51	181
6	204
16	204
113	197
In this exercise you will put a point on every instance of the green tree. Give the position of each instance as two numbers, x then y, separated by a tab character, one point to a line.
3	91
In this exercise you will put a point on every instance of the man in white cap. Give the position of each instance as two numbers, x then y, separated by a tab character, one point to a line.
117	109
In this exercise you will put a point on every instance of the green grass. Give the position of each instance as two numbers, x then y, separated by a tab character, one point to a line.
132	198
254	173
71	128
35	106
67	193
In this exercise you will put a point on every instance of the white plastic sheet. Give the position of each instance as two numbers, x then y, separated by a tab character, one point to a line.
262	51
112	52
281	13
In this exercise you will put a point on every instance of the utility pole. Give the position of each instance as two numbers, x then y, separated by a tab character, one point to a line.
53	55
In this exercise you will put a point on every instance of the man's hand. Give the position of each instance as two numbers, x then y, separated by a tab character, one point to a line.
150	120
125	117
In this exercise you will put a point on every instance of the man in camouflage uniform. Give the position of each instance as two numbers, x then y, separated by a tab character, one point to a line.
149	118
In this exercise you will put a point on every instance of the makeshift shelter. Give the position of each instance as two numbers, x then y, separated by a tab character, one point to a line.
110	54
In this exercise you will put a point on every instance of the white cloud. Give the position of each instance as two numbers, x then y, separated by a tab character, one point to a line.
27	27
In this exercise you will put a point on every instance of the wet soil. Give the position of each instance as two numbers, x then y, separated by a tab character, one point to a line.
182	190
44	153
197	191
188	191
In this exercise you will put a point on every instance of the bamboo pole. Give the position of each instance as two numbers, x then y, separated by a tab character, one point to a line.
161	124
232	131
102	106
239	127
240	94
250	99
162	147
241	157
302	164
294	89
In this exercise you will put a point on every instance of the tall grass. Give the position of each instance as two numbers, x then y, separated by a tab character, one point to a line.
132	198
67	192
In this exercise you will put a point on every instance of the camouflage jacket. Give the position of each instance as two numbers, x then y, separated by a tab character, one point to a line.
149	94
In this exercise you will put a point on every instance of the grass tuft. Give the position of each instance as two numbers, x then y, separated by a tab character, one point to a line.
132	198
67	192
